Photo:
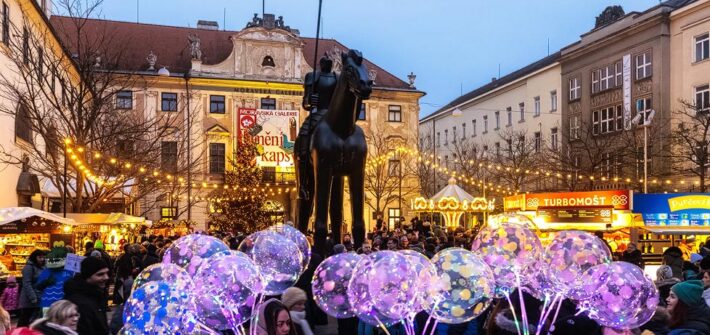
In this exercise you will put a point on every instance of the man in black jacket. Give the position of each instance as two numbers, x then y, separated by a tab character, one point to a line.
87	291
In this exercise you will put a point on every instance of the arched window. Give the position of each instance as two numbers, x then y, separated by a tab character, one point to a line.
268	61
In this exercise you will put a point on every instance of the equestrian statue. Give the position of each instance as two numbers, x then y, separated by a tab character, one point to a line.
337	149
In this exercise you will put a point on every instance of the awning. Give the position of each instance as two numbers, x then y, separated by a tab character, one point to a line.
109	219
49	190
12	214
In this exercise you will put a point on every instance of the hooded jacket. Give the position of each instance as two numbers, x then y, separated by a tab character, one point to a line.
91	304
673	257
30	294
10	298
697	322
48	328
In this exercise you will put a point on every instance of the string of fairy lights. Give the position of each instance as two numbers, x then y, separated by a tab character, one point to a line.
432	161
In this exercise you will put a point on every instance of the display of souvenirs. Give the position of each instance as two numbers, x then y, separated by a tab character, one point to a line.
18	247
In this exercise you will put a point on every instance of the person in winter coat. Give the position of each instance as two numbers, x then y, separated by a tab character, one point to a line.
706	286
633	255
123	288
62	319
274	319
98	245
30	293
151	256
673	257
658	325
664	282
87	291
51	280
690	315
10	298
294	299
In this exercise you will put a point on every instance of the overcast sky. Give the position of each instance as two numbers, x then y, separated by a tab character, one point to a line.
451	45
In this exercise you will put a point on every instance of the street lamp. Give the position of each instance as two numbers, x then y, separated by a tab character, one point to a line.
644	124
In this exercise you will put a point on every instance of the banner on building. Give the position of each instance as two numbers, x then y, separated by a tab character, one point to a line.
616	199
679	209
627	90
273	131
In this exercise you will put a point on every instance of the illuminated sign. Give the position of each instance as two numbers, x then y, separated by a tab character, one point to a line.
680	209
576	215
617	199
273	131
453	204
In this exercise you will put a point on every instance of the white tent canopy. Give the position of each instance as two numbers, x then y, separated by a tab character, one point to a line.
49	190
109	219
12	214
452	191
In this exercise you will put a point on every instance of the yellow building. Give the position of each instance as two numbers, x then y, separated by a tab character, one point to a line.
224	81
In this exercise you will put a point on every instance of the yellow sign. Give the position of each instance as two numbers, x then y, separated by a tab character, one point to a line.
453	204
689	202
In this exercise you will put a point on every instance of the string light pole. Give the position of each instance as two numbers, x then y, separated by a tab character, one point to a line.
648	117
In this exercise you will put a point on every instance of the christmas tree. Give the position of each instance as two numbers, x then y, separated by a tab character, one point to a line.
240	205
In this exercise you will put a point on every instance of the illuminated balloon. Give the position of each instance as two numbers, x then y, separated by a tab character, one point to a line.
169	272
623	296
510	250
277	258
425	274
297	237
463	288
190	251
160	308
359	291
567	259
330	284
393	283
537	282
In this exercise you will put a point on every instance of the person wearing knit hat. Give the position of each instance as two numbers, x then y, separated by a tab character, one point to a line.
87	291
688	309
294	299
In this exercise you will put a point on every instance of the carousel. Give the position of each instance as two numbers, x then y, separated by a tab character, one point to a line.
452	202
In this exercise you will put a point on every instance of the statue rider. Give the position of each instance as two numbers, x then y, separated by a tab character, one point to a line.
318	91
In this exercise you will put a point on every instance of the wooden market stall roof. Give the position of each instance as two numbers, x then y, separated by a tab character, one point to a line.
108	219
12	214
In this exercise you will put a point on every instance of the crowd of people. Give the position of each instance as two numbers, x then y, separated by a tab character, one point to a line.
52	300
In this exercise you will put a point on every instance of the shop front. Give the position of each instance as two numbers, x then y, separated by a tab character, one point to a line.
606	213
23	230
113	230
679	219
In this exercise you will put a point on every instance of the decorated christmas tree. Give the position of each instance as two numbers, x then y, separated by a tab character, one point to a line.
239	207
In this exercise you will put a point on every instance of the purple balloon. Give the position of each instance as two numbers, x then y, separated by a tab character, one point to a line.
567	259
297	237
624	297
188	252
538	283
393	283
425	274
510	250
330	284
277	258
359	295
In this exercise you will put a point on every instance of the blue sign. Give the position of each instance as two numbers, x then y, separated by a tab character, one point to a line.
678	209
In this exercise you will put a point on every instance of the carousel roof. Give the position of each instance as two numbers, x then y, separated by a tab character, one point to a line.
453	191
11	214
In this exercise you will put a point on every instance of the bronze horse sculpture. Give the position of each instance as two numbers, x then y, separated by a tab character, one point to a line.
338	149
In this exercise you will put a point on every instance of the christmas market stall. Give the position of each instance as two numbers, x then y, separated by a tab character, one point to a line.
606	213
680	219
113	230
453	203
24	229
168	227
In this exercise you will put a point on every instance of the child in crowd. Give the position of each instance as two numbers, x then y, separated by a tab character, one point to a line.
10	298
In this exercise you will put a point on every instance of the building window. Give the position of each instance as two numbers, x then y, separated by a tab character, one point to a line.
393	217
509	110
643	65
485	124
217	104
702	98
23	124
497	120
536	106
124	100
169	102
395	113
25	46
702	47
463	131
394	168
455	135
619	69
595	81
168	156
522	111
553	101
216	158
268	103
5	24
607	78
607	120
446	137
168	212
362	116
473	133
574	89
538	141
40	65
497	146
421	144
574	127
643	107
553	139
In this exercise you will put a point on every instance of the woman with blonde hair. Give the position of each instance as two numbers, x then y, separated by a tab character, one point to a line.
62	319
4	321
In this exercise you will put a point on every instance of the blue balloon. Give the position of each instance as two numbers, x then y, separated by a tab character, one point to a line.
160	308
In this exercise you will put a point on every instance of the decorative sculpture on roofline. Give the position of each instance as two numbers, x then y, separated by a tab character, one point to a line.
195	51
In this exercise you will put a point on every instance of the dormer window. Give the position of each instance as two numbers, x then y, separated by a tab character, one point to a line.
268	61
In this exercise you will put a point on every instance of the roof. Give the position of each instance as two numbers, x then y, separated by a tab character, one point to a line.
452	191
108	219
12	214
170	45
511	77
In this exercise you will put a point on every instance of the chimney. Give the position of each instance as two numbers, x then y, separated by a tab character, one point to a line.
493	79
207	25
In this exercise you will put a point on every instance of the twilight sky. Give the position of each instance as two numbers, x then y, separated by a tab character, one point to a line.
451	45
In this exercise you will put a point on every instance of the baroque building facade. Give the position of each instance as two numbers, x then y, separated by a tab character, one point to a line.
225	83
